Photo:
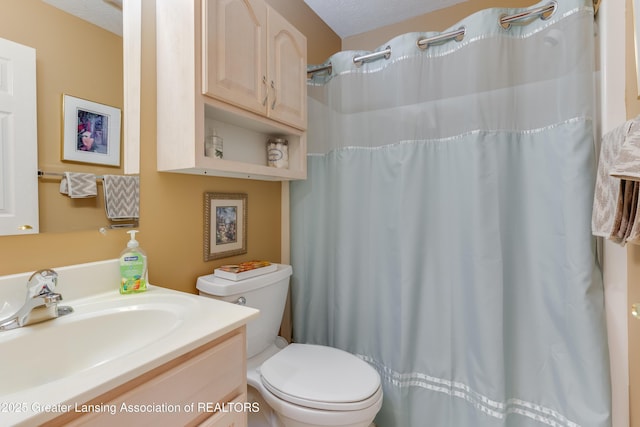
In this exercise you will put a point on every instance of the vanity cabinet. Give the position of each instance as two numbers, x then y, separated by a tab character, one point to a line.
206	387
236	69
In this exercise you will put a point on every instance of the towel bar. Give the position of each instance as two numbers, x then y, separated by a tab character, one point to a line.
42	174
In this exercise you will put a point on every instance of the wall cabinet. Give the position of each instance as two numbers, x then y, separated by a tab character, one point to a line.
255	59
206	386
236	68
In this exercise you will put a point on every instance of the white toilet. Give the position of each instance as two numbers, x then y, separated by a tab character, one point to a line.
303	385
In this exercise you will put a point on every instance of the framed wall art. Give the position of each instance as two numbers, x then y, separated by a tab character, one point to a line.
91	132
225	225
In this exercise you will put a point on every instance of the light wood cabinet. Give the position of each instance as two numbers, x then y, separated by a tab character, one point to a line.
236	68
287	72
255	59
231	418
206	386
235	52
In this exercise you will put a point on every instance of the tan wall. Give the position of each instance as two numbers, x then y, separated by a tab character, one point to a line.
171	206
633	251
322	42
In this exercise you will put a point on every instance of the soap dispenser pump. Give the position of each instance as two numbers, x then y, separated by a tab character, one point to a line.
133	267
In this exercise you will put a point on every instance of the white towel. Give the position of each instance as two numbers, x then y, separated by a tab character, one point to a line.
627	163
121	197
605	202
616	205
79	185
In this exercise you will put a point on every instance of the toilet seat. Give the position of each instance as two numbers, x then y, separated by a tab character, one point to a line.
321	377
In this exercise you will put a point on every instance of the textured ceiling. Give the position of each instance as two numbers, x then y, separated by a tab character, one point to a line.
350	17
345	17
103	13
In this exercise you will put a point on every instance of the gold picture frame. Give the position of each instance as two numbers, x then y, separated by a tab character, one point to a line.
225	225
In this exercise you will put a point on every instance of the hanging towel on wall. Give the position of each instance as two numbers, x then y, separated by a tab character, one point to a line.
627	163
79	185
617	192
121	197
625	211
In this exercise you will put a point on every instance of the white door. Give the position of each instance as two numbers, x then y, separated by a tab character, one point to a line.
18	140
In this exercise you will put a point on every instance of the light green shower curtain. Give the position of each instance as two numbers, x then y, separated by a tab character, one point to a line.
443	233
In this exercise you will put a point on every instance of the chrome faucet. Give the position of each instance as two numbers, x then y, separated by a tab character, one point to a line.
41	303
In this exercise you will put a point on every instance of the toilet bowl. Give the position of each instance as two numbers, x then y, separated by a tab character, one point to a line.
303	385
301	391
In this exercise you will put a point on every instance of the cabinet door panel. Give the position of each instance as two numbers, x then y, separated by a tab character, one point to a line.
234	44
287	73
206	378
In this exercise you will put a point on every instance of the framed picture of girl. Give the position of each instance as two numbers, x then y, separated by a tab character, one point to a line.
91	132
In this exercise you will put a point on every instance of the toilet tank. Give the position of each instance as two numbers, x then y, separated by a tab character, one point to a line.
267	293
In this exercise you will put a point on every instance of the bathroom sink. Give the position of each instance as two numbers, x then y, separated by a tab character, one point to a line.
98	331
108	340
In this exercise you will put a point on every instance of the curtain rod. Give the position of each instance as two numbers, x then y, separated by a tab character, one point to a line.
320	68
543	12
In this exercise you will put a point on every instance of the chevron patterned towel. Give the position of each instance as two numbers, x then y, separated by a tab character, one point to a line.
121	196
79	185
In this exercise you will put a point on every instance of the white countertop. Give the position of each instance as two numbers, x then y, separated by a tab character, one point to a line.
172	323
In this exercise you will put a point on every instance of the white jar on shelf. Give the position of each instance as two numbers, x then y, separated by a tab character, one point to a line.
213	145
278	152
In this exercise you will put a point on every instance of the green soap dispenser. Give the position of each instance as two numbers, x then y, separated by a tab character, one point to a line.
133	267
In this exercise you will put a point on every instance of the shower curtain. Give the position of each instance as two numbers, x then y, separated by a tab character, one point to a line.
443	233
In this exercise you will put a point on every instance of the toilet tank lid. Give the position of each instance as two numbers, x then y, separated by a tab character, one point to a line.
216	286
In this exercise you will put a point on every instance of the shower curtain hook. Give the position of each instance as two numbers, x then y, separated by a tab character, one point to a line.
544	13
359	60
457	35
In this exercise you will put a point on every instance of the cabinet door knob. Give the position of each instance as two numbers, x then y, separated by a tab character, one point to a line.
635	310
